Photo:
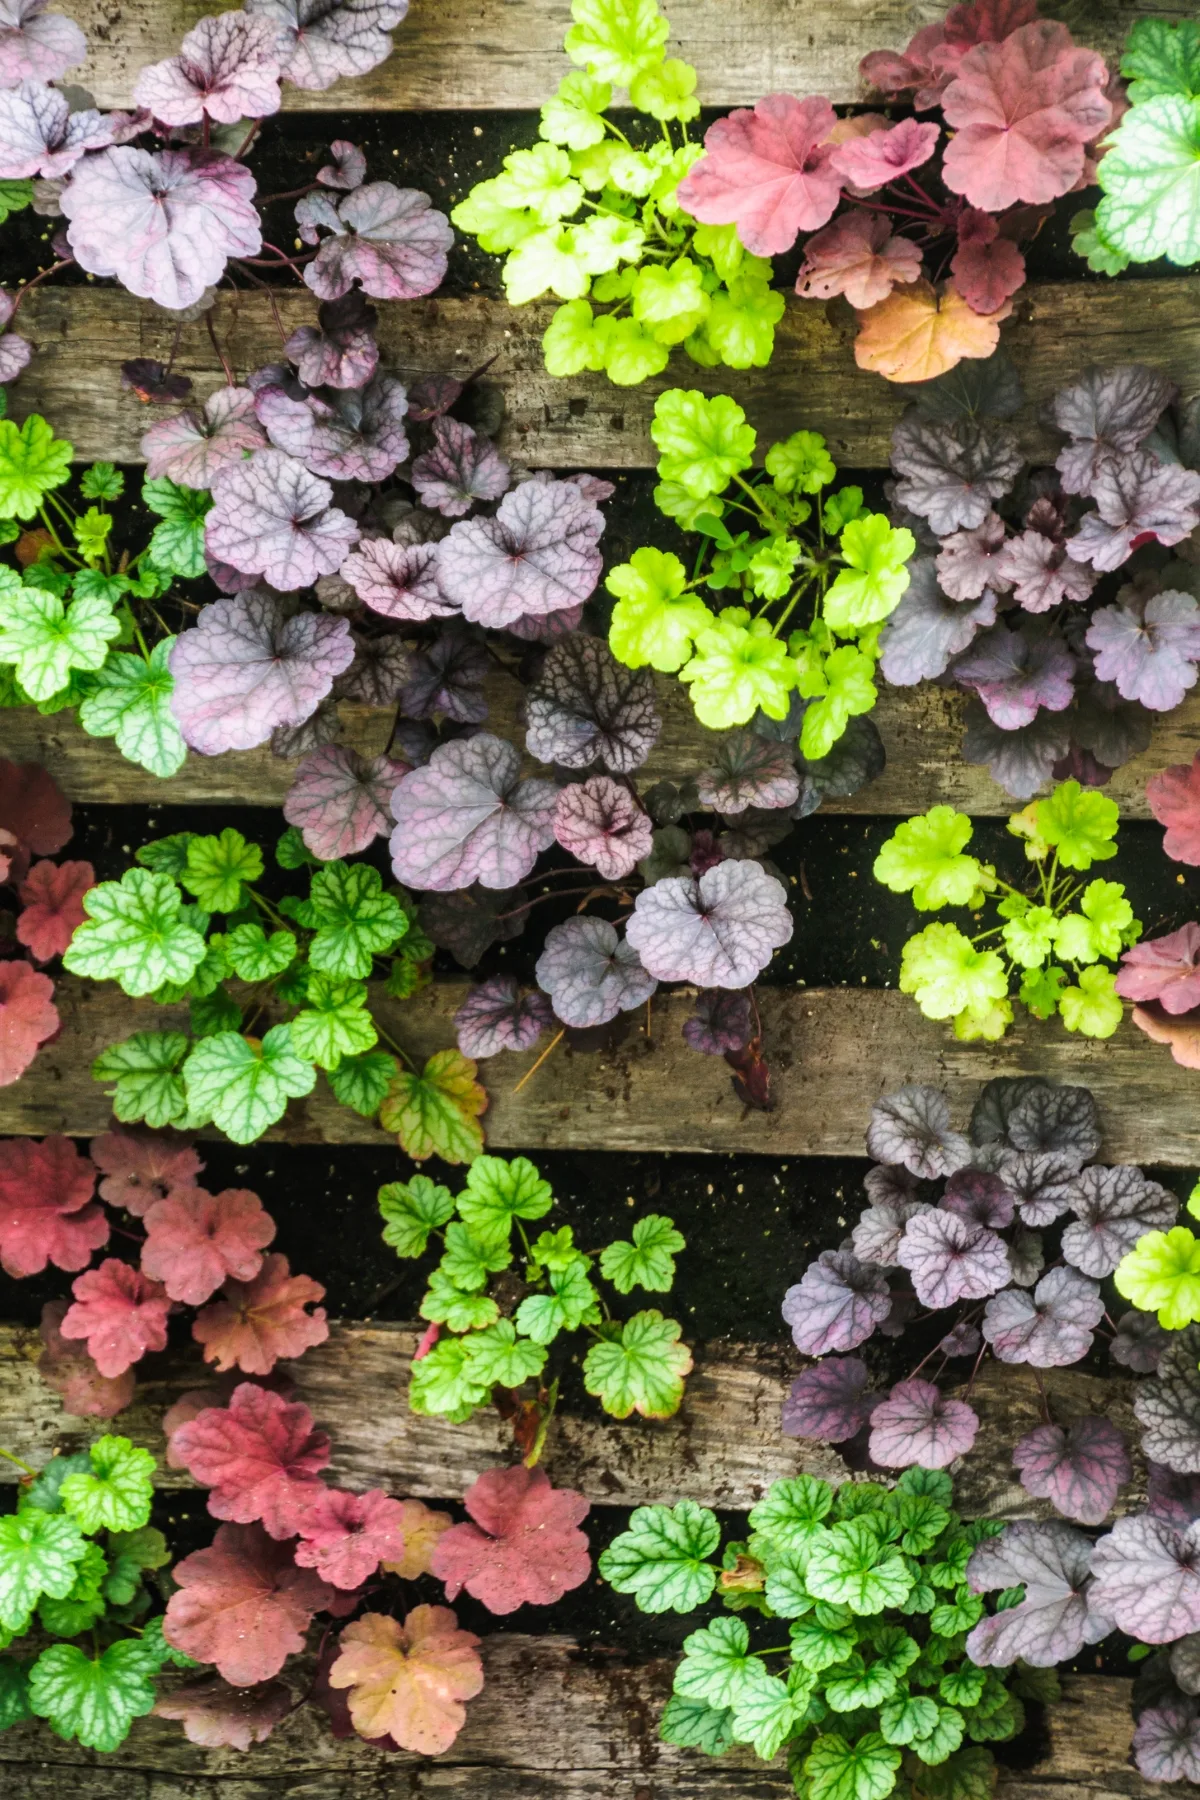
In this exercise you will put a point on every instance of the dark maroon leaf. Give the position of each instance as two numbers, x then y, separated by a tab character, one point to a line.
951	471
586	707
1139	1342
1021	761
829	1401
497	1016
720	1020
150	381
448	678
973	1194
1016	673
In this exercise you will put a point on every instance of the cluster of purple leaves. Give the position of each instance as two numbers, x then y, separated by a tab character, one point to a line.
1162	974
160	198
1051	595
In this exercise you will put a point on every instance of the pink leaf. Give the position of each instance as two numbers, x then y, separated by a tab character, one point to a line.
986	275
408	1681
324	39
246	668
461	468
339	800
1149	645
70	1371
138	1170
46	1209
195	1240
467	816
389	239
398	580
1050	1328
219	1717
257	1322
538	554
37	45
345	1537
347	170
1022	111
40	135
1173	796
259	1455
601	823
768	171
859	256
950	1258
870	162
227	68
27	1018
33	808
1079	1471
1041	572
917	1424
120	1313
52	895
342	353
192	446
496	1016
272	517
355	435
524	1545
243	1605
1166	969
164	223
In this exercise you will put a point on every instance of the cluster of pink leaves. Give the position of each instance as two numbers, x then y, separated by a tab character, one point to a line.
1024	107
35	821
979	1250
1162	974
1010	594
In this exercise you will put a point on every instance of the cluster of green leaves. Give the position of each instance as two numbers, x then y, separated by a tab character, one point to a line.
307	957
590	214
778	538
873	1675
1058	936
1161	1274
1150	168
73	1561
78	621
497	1323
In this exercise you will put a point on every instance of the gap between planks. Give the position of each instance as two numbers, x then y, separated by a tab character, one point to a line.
833	1052
482	55
82	334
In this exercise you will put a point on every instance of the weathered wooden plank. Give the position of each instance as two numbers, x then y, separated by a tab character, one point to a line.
484	54
724	1448
922	732
83	335
833	1052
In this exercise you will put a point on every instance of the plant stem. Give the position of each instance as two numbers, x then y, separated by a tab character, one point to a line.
9	1457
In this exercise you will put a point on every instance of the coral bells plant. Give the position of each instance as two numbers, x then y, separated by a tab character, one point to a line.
1161	975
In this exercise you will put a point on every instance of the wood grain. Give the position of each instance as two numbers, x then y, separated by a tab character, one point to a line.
82	336
482	54
833	1051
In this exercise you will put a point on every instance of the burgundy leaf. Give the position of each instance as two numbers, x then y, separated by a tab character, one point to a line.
586	707
389	239
259	1456
917	1424
1139	1342
1057	1615
243	1605
1107	413
719	931
227	69
829	1402
1114	1208
461	468
68	1369
193	446
590	973
721	1020
1079	1470
912	1127
1050	1328
536	555
345	1537
950	1258
497	1016
196	1240
149	380
983	1198
1173	1497
522	1544
270	515
857	255
987	269
601	823
467	816
356	435
119	1313
340	800
1137	500
140	1169
381	669
1146	1577
836	1304
1148	645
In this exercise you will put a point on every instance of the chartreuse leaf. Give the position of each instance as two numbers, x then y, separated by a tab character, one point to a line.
131	703
46	639
217	867
334	1022
648	1261
244	1084
411	1210
355	920
847	689
924	857
1162	1274
146	1070
32	462
657	618
92	1700
1078	824
662	1559
436	1113
740	667
445	1384
134	934
616	39
1094	1007
39	1554
876	555
801	464
703	443
571	1301
116	1493
642	1370
499	1191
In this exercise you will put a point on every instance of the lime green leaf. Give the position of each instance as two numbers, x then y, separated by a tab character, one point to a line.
772	566
1162	1274
217	867
666	91
117	1493
411	1210
446	1304
571	343
335	1023
499	1191
444	1384
103	481
616	39
355	920
630	355
1094	1008
93	1701
655	620
1111	917
554	1250
849	1565
573	116
670	300
703	443
784	1591
131	702
662	1559
145	1068
1029	937
946	975
484	216
539	182
497	1357
550	260
91	532
801	464
32	462
869	588
850	690
362	1082
696	1726
1040	990
177	545
46	639
1150	174
924	856
571	1300
739	667
836	1770
1078	824
436	1113
244	1085
468	1262
256	957
961	1614
39	1554
641	1371
647	1262
134	934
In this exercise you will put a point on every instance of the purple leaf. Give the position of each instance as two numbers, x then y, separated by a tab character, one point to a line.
548	628
962	1340
749	771
1168	1406
325	39
1146	1578
347	169
339	800
1170	1496
1041	1181
836	1304
227	68
917	1424
432	395
389	239
1021	761
951	1259
1139	1342
890	1184
876	1237
448	678
245	667
984	1199
1111	729
1137	499
1056	1618
341	351
358	435
1166	1741
828	1401
272	517
717	931
970	561
36	45
497	1016
193	446
320	728
1026	1258
951	470
470	922
15	352
1165	969
721	1020
590	974
586	707
927	629
1042	574
164	223
40	135
1148	645
461	468
1079	1471
1050	1328
1107	413
537	555
381	668
1015	673
912	1126
467	816
1114	1208
397	580
601	823
1034	1115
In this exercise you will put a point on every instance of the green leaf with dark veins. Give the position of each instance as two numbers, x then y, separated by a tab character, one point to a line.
145	1069
641	1371
335	1023
92	1700
446	1304
411	1210
662	1558
361	1082
355	920
256	957
571	1302
177	545
467	1262
696	1726
245	1085
131	703
39	1554
134	934
217	867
